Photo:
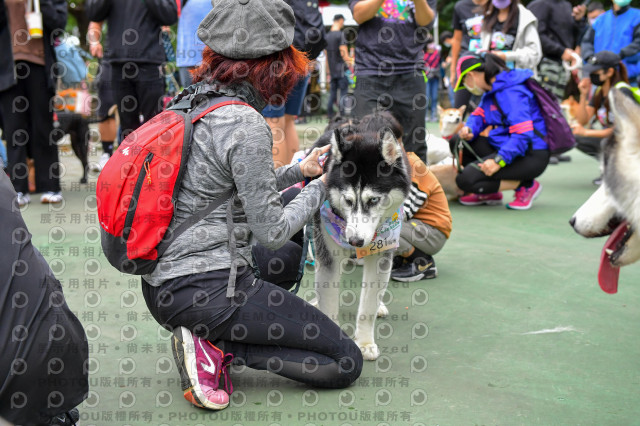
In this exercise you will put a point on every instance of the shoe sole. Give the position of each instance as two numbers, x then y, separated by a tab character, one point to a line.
415	278
535	195
486	203
192	393
45	201
408	279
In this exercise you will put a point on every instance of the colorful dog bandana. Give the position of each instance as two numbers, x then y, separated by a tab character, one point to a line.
387	235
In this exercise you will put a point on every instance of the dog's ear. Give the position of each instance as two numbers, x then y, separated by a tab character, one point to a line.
336	143
462	109
440	111
389	146
626	110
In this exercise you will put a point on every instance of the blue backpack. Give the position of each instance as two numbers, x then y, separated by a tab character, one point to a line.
71	66
559	136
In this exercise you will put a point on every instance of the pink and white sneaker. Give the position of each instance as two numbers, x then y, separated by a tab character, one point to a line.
201	366
479	199
524	197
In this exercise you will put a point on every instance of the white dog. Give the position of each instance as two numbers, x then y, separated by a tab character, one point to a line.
615	207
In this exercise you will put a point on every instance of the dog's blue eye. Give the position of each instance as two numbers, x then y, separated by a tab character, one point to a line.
374	200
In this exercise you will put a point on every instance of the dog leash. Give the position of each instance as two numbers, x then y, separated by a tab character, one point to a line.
464	144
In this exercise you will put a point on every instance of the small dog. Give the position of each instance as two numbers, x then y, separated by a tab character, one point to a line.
615	208
77	127
367	183
569	107
451	121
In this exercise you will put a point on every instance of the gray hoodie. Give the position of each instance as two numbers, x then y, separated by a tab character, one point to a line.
527	50
232	148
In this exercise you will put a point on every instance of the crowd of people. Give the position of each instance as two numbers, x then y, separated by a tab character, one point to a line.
552	40
486	62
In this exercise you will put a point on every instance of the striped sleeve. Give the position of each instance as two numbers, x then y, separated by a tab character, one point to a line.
414	201
522	127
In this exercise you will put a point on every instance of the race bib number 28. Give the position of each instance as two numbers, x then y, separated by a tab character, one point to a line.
387	237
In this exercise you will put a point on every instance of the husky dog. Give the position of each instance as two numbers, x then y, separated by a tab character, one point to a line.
367	182
615	207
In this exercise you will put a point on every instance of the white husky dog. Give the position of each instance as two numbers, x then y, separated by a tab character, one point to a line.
615	207
367	182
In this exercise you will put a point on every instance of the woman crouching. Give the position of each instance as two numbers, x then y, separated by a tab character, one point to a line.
515	152
218	310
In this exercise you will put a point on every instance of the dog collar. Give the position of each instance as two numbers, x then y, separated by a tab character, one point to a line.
387	235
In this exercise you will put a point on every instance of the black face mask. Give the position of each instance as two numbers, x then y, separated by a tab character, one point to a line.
595	79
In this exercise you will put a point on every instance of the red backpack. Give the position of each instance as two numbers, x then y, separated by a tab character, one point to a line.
138	187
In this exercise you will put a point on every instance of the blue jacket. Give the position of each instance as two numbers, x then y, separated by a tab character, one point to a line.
513	133
615	32
189	46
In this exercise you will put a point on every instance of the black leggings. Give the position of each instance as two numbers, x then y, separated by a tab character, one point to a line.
523	169
270	329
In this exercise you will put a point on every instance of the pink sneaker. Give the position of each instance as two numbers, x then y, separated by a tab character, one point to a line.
201	366
524	197
479	199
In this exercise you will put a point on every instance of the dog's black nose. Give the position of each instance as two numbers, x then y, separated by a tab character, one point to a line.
356	242
572	221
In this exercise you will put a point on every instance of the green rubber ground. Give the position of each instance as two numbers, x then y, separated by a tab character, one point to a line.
514	330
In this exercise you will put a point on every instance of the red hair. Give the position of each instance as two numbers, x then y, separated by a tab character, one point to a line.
273	76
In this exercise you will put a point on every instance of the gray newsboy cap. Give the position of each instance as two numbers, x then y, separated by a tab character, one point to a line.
247	29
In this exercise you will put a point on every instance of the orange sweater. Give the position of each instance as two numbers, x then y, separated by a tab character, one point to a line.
426	201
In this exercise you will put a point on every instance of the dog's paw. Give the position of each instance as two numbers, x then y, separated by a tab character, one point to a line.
370	351
383	311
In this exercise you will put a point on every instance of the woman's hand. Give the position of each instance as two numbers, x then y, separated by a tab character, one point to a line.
584	86
489	167
311	166
578	130
500	55
95	48
466	133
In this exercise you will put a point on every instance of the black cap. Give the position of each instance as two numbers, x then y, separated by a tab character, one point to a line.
466	64
600	61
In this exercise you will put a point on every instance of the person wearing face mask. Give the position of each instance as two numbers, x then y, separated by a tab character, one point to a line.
618	31
594	10
604	70
509	30
514	153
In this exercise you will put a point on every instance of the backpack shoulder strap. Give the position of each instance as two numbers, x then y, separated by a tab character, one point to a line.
502	114
193	219
191	112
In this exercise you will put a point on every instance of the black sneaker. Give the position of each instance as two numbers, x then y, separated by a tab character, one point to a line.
69	418
553	160
564	158
398	261
415	271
